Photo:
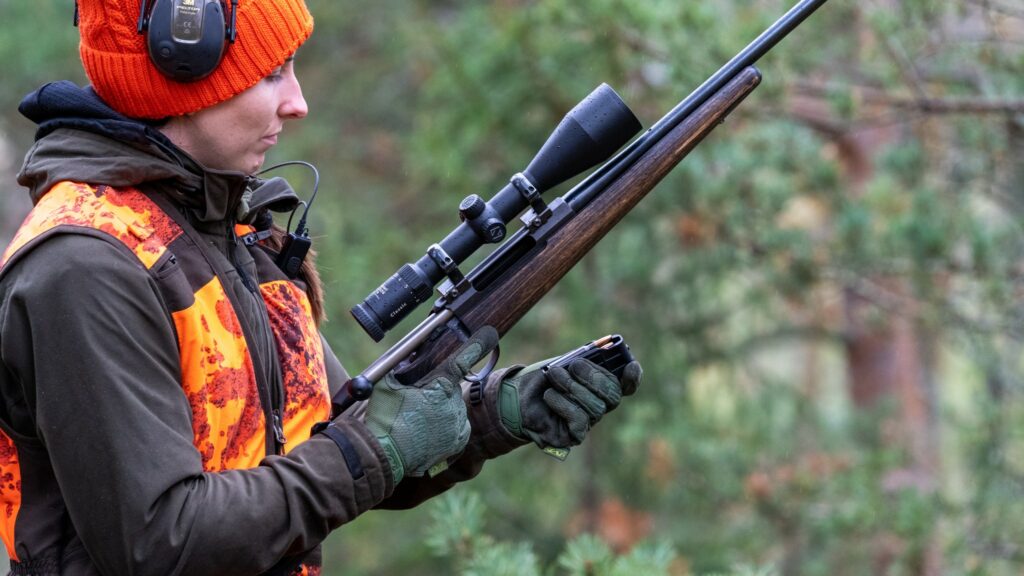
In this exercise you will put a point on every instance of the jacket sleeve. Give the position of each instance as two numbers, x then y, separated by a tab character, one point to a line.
86	332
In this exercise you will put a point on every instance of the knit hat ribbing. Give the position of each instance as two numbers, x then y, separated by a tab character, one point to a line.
117	63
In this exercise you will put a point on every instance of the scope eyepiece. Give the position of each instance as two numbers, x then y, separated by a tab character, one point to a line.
389	304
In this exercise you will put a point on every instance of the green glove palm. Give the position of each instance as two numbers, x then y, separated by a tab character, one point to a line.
422	425
555	408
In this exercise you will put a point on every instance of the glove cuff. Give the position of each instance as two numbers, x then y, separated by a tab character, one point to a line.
490	438
394	458
508	409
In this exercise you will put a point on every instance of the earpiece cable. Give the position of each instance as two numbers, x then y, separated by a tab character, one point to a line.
301	229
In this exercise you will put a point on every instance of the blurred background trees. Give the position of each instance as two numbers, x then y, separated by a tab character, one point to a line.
825	295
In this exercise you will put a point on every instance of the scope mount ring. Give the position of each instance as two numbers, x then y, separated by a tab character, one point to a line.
528	191
450	269
445	262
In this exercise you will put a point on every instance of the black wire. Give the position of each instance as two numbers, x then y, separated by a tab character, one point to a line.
292	214
301	228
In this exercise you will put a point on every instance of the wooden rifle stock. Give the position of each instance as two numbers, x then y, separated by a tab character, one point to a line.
503	288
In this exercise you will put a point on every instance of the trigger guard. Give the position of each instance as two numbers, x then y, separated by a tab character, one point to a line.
479	377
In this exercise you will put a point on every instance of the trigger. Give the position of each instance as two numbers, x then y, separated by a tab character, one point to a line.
481	376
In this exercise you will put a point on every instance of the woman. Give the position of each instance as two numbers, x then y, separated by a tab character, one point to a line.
162	377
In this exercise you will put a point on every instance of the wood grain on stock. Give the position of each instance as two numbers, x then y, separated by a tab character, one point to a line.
518	290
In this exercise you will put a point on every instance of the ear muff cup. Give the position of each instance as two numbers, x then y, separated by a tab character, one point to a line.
187	39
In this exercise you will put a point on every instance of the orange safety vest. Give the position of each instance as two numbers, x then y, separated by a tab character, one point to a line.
217	375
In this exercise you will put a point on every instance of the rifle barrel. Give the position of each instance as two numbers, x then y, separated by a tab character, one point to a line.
586	190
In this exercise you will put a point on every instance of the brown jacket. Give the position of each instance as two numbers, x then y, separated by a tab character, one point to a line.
111	479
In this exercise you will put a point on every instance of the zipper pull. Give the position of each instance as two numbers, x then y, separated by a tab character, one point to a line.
254	238
278	428
233	258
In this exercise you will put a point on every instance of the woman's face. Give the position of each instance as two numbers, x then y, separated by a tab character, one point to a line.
236	134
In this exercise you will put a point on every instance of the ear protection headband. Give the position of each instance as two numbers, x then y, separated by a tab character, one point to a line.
187	39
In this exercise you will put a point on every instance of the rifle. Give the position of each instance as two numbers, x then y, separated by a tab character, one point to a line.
554	236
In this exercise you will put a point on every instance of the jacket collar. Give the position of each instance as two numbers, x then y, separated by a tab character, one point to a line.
82	139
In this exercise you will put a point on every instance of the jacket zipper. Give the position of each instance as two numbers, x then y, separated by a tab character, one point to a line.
269	401
233	242
272	407
279	430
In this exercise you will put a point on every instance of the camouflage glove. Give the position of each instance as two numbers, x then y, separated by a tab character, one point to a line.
422	425
555	408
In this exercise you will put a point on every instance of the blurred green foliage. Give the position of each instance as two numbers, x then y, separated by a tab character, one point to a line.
834	186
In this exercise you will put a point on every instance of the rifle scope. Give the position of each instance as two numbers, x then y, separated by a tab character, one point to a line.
588	134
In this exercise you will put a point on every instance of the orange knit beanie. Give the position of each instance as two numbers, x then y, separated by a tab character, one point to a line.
116	61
